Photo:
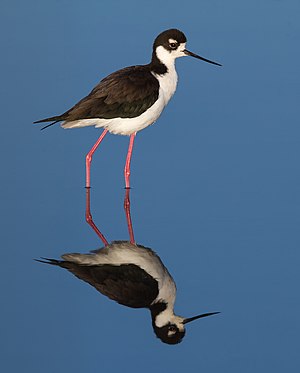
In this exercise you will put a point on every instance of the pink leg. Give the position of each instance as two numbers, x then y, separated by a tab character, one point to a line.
128	216
89	218
128	159
89	157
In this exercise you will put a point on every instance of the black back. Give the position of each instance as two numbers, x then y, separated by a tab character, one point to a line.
126	93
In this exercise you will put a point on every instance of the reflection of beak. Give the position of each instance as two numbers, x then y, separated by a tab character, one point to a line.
188	53
185	321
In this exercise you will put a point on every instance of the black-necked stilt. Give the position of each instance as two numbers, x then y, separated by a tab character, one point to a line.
130	99
133	276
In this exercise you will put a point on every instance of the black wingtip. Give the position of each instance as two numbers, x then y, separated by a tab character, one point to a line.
52	119
48	261
49	125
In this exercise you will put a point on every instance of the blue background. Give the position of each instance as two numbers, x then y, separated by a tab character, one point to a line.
215	186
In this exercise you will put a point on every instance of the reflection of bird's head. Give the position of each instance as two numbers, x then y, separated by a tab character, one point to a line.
168	327
172	332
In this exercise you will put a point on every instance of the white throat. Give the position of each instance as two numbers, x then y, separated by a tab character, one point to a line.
166	317
168	80
168	57
165	57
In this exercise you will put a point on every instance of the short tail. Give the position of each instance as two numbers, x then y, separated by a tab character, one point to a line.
51	119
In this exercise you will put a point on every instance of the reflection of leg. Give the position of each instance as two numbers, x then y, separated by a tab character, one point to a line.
128	158
128	216
89	157
89	218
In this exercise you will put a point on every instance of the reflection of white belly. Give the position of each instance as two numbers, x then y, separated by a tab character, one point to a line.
128	126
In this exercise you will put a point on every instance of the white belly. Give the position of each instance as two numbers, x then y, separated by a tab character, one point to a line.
128	126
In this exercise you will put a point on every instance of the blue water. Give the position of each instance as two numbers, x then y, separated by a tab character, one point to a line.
215	186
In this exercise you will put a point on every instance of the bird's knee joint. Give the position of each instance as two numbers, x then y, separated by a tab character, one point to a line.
88	218
88	158
126	204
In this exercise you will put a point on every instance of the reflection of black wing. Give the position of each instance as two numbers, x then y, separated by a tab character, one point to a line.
126	284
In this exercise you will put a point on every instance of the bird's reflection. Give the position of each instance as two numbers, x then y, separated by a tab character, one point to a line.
131	275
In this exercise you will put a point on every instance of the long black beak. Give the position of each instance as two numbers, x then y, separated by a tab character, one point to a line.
185	321
188	53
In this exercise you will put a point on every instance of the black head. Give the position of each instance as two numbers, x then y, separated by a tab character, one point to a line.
168	327
169	39
169	45
170	333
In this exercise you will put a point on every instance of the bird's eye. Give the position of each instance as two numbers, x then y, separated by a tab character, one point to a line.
173	45
172	328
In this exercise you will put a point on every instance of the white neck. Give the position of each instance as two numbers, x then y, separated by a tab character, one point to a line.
167	316
165	57
167	81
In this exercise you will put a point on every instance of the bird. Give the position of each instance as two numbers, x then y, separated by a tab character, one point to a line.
130	99
134	276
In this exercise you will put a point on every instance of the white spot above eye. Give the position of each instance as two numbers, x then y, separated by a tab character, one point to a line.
173	41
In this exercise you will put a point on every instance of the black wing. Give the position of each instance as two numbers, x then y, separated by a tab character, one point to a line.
126	93
126	284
